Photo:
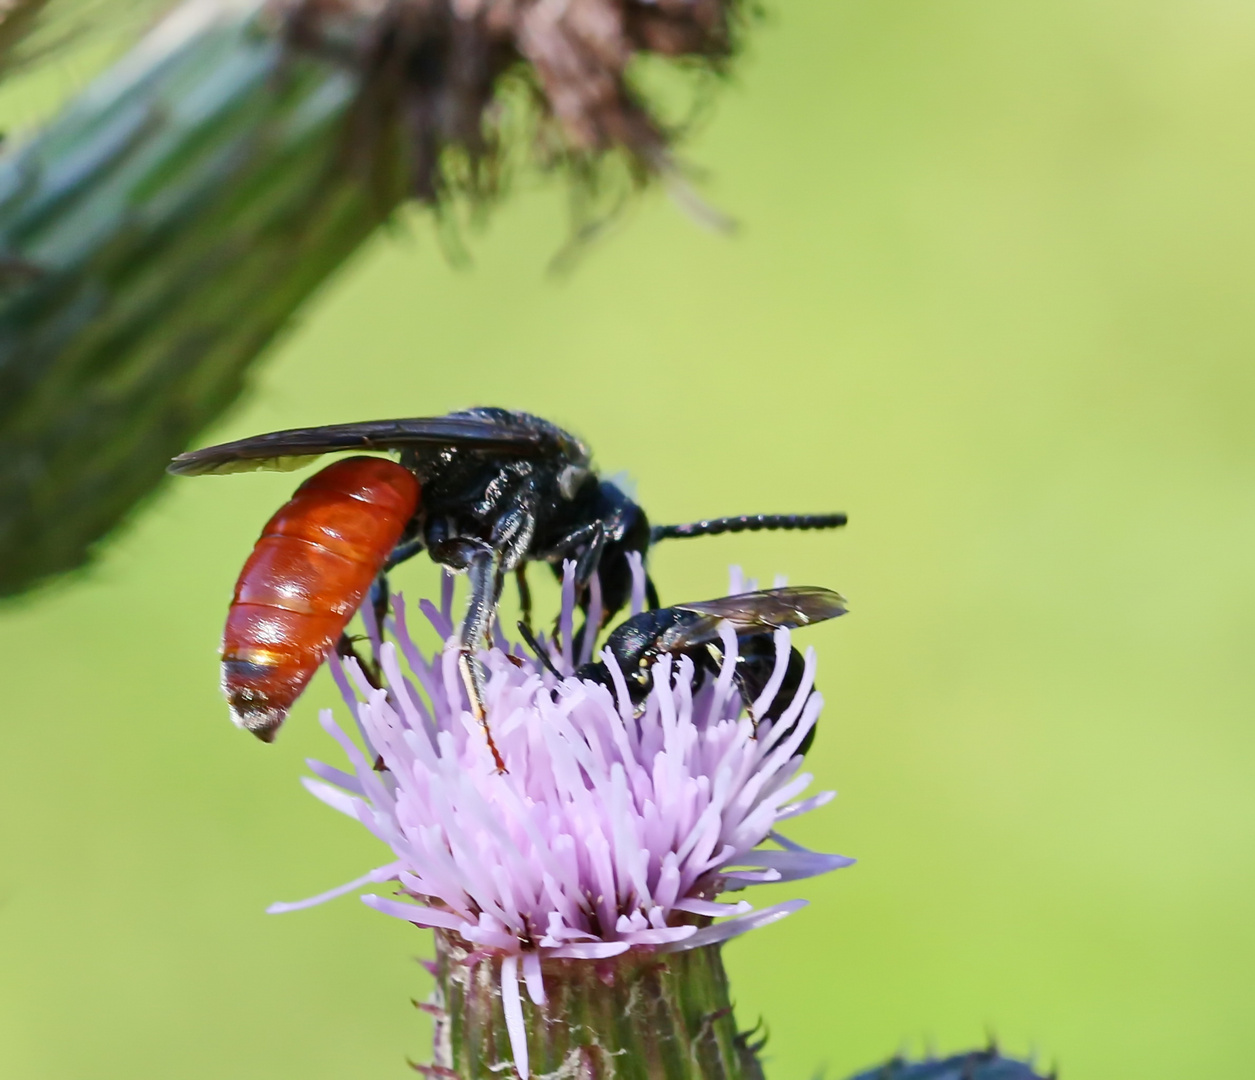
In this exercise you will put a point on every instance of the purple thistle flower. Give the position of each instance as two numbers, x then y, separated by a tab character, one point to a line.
612	829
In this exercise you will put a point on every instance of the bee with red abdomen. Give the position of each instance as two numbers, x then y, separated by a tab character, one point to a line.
483	491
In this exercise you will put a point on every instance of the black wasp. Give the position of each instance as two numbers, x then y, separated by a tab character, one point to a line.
483	491
692	630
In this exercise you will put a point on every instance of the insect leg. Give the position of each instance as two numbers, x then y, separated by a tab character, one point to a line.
585	567
541	654
651	594
586	543
755	664
590	557
379	590
380	595
525	596
407	549
498	587
346	649
563	547
484	575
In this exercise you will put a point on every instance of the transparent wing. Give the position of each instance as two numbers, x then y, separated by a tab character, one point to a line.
752	612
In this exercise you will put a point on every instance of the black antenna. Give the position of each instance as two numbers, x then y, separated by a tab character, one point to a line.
746	523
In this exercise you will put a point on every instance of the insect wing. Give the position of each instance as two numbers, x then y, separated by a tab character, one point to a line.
293	448
753	612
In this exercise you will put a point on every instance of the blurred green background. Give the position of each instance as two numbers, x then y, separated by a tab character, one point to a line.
992	297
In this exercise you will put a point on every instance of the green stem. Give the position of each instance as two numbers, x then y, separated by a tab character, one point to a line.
638	1016
157	236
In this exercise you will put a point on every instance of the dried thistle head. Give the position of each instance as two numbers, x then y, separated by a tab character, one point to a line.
460	87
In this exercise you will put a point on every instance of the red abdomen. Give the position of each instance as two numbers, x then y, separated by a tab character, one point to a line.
307	575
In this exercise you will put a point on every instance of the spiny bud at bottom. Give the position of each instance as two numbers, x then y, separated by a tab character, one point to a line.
640	1015
975	1065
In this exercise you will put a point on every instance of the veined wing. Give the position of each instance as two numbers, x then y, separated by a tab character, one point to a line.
296	447
753	612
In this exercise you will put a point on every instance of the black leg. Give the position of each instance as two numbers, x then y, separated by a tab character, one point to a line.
407	549
651	594
589	559
379	600
498	587
485	577
542	655
346	648
564	547
379	591
525	596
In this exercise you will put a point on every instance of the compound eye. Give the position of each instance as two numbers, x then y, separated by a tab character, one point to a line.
570	479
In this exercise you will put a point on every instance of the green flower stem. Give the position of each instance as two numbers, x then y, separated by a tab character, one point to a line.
154	239
639	1016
